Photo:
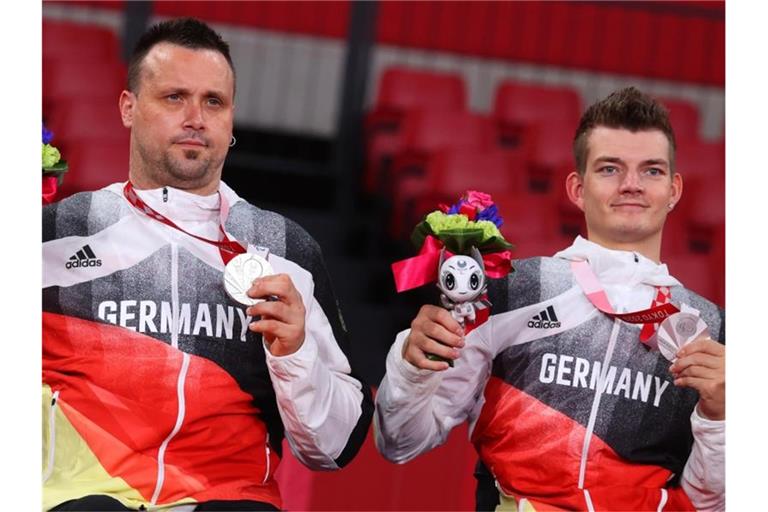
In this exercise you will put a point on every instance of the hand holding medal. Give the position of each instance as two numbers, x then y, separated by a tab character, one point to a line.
698	362
249	280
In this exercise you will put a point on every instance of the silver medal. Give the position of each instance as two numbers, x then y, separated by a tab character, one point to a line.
240	273
677	330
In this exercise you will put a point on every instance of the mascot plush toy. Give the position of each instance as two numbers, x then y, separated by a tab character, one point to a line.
462	282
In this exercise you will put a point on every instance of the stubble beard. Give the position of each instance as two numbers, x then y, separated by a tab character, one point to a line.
190	170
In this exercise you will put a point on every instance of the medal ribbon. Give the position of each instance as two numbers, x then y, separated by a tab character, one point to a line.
597	296
227	248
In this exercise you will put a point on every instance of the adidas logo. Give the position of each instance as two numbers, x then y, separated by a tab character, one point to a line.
547	319
83	258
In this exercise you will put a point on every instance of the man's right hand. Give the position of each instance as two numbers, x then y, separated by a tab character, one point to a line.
433	331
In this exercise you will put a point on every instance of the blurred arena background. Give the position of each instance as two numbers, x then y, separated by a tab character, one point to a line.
357	118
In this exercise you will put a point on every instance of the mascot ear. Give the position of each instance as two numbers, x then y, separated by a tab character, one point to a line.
442	259
478	258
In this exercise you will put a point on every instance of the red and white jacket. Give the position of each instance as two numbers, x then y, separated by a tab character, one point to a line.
155	391
567	409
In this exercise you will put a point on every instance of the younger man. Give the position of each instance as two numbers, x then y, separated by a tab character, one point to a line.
577	413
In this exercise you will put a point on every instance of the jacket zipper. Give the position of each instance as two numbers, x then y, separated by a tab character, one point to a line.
51	437
595	406
182	374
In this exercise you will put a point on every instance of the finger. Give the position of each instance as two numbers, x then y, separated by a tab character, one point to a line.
425	344
440	316
439	333
274	329
707	388
436	348
419	359
276	310
428	364
697	359
699	372
277	285
702	344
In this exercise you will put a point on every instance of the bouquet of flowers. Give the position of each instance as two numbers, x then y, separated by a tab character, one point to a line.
473	221
53	167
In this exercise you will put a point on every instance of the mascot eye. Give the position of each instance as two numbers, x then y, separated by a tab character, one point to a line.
450	281
474	281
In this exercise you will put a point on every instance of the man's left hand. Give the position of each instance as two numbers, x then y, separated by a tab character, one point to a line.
700	365
282	315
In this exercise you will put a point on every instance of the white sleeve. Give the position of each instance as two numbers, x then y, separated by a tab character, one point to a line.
416	409
320	403
704	475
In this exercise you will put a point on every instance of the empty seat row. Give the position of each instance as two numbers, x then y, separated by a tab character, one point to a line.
83	75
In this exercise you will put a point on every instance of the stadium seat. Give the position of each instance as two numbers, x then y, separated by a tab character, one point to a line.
95	165
447	175
684	117
519	105
702	165
404	89
530	218
94	121
541	117
74	41
75	80
697	272
428	132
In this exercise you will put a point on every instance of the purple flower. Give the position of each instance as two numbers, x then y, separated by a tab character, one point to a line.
456	208
47	135
491	213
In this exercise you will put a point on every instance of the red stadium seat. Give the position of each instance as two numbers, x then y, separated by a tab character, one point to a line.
519	105
702	165
93	121
404	89
74	41
530	218
95	165
684	117
428	132
543	118
448	174
74	80
697	272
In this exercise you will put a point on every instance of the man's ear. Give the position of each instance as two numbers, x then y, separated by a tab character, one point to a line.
574	185
677	189
126	102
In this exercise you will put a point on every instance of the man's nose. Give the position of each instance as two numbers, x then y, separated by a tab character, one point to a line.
194	116
631	182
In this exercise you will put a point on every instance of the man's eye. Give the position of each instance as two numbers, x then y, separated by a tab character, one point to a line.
174	97
655	171
214	102
608	169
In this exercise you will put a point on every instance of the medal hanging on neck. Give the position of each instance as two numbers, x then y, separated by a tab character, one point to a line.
594	291
241	267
